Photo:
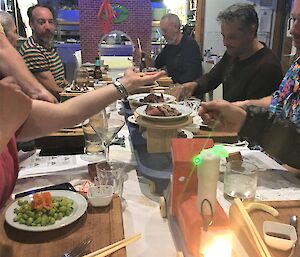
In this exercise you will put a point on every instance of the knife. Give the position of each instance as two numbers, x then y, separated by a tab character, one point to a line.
62	186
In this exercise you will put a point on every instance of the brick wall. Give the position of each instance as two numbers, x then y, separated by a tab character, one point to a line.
137	25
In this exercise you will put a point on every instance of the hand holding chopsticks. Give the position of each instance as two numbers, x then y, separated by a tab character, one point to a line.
114	247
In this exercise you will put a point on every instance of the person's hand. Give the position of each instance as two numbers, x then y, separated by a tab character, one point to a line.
223	116
45	95
132	80
180	91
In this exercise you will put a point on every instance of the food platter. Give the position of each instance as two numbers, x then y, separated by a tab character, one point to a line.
184	112
68	89
79	208
136	98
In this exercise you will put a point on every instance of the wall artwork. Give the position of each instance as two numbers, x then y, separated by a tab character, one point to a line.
121	13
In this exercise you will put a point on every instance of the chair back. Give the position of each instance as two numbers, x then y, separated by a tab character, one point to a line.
78	60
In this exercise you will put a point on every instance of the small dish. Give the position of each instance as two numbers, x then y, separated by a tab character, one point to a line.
279	235
100	196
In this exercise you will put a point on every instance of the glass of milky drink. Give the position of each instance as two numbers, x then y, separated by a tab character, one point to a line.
240	180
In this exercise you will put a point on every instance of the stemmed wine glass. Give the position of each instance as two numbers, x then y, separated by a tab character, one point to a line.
107	130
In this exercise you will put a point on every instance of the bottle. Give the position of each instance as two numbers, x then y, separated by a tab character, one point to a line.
97	71
143	64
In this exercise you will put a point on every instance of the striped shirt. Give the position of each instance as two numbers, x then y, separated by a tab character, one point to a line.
40	59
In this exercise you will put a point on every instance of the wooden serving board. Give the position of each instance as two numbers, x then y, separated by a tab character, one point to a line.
220	137
104	225
285	208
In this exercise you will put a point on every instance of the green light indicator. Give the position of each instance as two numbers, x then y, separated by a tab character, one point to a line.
217	150
197	160
220	151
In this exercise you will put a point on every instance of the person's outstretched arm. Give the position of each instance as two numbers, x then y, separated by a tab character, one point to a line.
12	64
46	118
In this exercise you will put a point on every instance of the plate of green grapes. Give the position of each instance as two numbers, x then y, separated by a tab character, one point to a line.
46	210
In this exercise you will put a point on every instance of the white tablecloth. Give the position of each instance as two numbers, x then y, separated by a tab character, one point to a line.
141	214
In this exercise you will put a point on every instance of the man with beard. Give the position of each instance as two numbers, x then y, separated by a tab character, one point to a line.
39	55
12	64
181	56
248	69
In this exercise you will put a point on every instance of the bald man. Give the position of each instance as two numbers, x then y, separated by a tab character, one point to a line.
181	56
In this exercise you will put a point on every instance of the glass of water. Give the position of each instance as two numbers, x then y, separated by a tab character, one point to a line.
240	180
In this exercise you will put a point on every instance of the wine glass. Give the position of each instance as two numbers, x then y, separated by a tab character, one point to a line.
107	130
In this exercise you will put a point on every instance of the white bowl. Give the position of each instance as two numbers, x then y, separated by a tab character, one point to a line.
279	228
100	196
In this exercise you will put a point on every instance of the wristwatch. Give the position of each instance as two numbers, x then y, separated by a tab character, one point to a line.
122	90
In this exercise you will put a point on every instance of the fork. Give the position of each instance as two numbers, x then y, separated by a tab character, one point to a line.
79	249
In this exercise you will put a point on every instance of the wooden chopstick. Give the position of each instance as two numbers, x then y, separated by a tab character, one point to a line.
139	44
114	247
260	244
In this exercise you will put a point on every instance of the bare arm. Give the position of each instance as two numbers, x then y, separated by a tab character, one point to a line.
263	102
46	118
12	64
12	115
46	78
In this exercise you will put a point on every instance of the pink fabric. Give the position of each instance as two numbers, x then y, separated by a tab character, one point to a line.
9	167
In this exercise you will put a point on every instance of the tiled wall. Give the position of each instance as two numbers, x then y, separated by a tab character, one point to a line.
137	25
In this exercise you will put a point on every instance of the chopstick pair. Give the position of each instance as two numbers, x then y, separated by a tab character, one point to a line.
114	247
260	244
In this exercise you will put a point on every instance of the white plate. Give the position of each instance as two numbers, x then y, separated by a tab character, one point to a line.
185	111
132	119
137	97
68	89
79	205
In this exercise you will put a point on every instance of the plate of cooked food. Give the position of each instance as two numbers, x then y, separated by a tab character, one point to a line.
146	98
76	89
46	211
164	112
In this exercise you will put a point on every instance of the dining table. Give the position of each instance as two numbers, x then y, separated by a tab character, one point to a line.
136	211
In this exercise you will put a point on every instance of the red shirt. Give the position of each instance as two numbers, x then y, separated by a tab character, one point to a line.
9	168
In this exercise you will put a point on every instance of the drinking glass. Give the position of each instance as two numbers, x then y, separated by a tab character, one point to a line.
93	145
82	78
113	176
240	180
107	130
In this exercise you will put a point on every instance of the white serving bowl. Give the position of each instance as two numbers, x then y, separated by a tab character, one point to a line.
100	196
279	228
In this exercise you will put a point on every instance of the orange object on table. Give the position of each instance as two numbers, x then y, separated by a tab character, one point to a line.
184	193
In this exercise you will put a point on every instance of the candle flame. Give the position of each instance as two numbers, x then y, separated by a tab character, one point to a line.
220	247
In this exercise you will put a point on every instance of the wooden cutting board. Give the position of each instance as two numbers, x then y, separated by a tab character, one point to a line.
104	225
285	209
220	137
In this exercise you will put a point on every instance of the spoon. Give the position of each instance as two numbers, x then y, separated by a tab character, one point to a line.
294	223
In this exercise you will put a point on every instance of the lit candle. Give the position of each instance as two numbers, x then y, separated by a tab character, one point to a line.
216	244
208	175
